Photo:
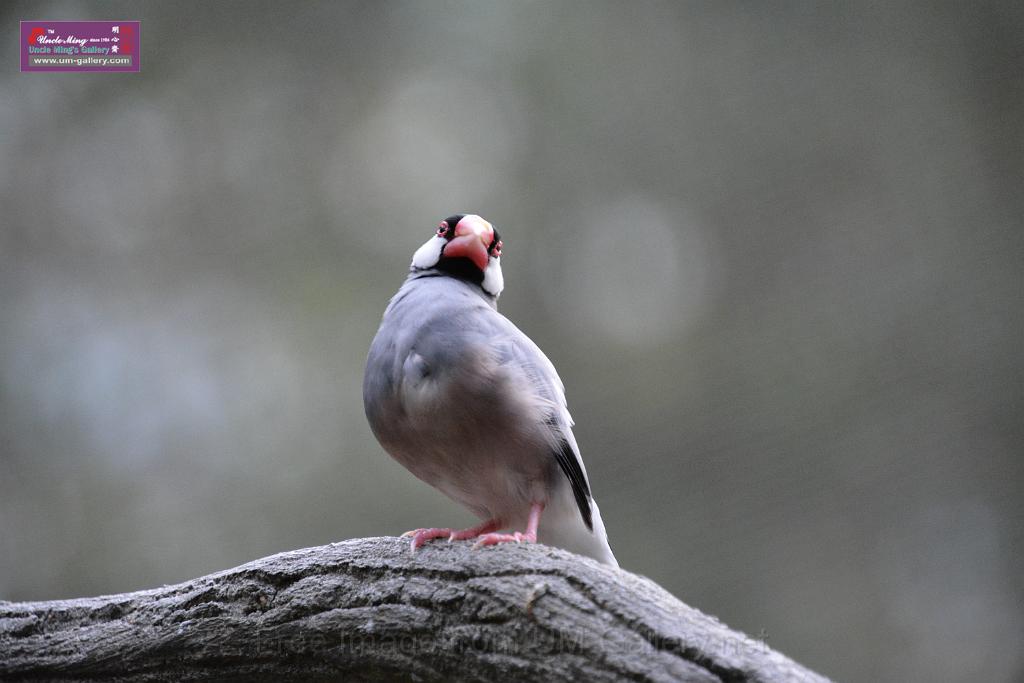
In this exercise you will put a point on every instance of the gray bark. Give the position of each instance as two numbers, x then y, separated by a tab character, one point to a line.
368	610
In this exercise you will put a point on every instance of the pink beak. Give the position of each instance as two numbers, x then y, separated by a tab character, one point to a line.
473	236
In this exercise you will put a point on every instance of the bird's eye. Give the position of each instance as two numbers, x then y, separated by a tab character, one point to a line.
443	228
496	249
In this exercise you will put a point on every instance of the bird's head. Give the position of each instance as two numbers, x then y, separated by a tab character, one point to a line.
467	247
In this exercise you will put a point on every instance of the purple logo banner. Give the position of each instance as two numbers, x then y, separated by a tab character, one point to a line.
80	46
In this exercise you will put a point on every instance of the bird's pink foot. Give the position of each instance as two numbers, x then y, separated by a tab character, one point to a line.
421	536
495	539
528	536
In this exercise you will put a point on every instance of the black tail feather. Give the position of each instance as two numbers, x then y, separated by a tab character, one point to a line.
570	465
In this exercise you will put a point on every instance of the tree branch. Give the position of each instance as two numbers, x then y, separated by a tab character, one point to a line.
366	609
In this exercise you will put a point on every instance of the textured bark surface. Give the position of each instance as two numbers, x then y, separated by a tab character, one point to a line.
367	609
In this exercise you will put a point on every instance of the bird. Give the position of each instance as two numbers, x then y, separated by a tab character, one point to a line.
468	403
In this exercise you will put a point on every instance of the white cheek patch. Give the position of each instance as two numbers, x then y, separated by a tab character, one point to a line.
494	281
429	254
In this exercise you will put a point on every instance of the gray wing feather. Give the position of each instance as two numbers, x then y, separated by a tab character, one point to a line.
518	349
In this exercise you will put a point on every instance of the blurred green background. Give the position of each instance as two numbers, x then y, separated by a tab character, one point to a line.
775	251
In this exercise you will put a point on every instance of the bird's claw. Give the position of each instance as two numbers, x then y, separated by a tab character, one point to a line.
495	539
421	536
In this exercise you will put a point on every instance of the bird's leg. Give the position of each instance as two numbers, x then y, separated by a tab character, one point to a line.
530	535
421	536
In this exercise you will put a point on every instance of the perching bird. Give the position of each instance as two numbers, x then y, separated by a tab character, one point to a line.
468	403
